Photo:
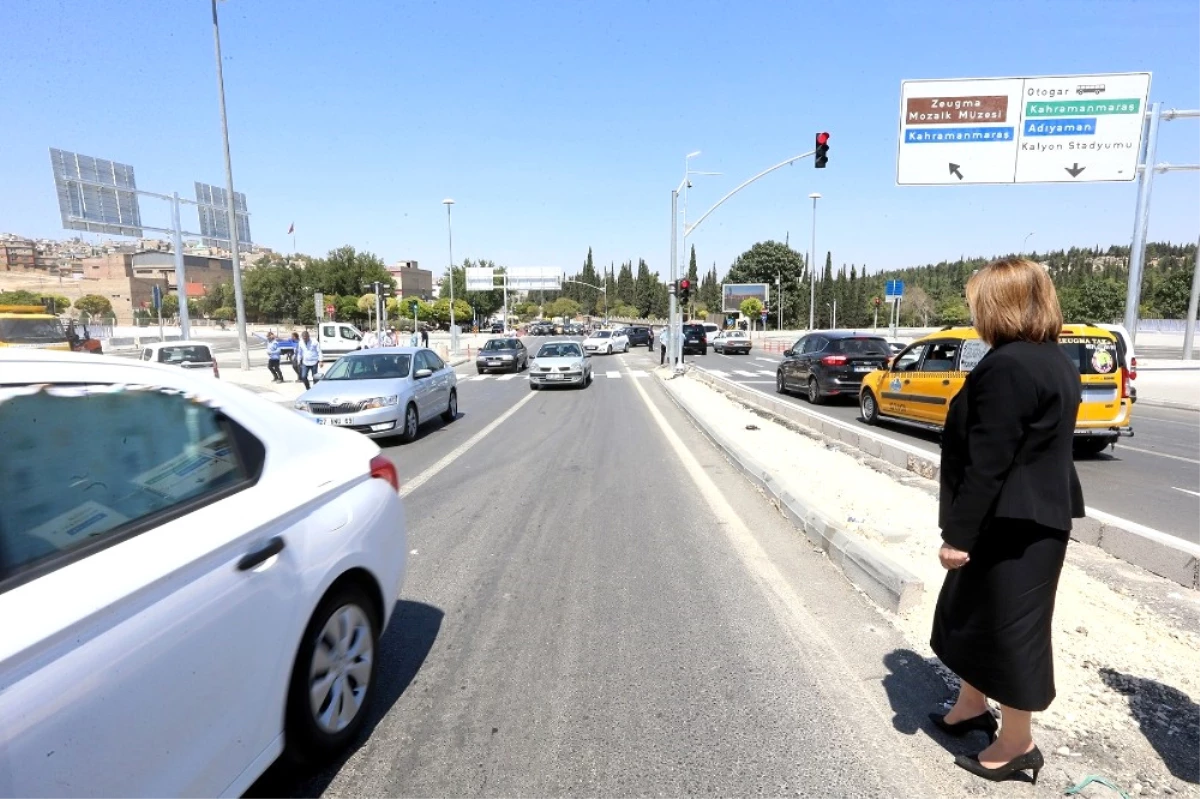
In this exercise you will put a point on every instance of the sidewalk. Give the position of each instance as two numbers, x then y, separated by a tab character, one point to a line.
1125	640
1168	383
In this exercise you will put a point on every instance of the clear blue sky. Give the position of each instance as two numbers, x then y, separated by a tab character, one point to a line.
562	125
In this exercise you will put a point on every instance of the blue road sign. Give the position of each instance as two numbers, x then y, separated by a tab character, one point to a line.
157	295
894	288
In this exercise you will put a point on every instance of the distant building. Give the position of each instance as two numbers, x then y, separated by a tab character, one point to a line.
412	281
17	255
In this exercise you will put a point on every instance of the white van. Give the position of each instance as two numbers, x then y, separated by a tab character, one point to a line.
338	338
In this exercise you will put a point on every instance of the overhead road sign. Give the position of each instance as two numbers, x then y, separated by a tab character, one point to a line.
893	289
480	278
96	195
1052	129
534	278
213	206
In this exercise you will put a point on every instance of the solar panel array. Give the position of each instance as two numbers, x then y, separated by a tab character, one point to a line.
96	195
214	216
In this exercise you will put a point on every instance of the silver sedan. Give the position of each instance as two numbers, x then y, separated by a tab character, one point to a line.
384	392
560	363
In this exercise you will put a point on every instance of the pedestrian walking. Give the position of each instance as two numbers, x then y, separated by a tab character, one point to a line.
424	337
388	338
309	354
273	351
370	340
1008	494
295	359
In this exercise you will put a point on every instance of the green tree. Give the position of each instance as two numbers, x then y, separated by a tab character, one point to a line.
20	297
624	311
765	261
1097	299
61	303
644	289
692	273
626	292
1171	294
953	311
224	314
93	305
751	308
441	311
170	306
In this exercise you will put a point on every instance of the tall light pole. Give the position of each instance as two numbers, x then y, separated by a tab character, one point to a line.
1027	235
450	236
235	262
812	267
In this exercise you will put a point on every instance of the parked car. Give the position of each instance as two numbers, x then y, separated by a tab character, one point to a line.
191	355
338	338
711	330
830	364
695	339
731	341
384	392
606	341
560	363
497	327
193	587
502	355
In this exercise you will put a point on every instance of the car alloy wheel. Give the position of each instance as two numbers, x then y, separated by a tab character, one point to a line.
452	409
411	423
814	391
780	388
333	676
608	350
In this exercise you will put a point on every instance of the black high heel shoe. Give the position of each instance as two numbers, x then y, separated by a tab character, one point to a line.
1031	760
984	722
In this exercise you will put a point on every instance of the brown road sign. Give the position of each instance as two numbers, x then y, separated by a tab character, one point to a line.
956	110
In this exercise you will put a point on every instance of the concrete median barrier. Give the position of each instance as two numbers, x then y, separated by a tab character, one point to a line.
1174	558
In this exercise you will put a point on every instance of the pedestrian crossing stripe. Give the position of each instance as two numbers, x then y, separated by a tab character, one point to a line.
506	377
765	372
743	373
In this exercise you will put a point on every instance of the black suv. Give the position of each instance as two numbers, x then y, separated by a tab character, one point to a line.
830	364
695	340
639	336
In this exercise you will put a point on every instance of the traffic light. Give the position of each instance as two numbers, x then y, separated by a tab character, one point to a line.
821	157
685	288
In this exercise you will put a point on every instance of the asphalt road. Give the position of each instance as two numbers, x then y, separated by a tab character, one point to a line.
1151	479
598	605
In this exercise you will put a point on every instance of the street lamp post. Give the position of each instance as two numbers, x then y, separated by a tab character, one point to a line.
450	237
812	267
235	263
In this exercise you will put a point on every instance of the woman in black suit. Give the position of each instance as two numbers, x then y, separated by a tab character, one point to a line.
1008	494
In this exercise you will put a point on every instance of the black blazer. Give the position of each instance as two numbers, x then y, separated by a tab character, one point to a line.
1007	444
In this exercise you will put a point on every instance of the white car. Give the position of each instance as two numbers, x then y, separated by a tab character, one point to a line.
192	580
727	341
560	363
606	341
192	355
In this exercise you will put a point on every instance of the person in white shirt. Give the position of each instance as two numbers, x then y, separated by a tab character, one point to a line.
309	353
388	338
370	340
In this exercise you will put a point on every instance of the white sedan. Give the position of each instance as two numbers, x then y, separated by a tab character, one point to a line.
606	341
192	580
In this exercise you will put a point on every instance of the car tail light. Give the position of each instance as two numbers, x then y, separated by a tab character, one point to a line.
1132	370
216	371
834	360
384	469
1125	384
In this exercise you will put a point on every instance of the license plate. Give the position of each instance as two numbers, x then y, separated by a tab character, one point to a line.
554	377
336	421
493	363
864	368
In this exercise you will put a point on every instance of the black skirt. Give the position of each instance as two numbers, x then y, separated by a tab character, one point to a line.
992	623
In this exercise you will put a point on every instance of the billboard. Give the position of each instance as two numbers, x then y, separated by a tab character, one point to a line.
480	278
96	195
213	206
534	278
733	294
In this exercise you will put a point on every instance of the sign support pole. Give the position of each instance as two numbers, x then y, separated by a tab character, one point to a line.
673	310
185	326
1189	328
1141	220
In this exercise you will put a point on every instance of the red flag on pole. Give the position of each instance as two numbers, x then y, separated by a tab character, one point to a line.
291	228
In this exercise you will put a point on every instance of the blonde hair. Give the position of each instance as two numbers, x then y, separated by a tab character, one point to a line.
1013	299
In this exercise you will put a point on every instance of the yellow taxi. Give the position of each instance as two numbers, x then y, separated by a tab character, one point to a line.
30	326
917	385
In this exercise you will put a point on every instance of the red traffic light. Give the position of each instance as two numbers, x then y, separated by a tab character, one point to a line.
822	138
685	284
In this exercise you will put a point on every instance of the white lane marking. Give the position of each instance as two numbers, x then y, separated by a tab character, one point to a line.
743	372
639	374
1187	491
477	377
765	372
612	373
1160	454
717	372
506	377
768	360
457	452
789	608
763	382
1168	421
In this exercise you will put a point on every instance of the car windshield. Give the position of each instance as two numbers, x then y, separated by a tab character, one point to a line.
736	334
375	366
501	344
602	334
190	353
873	347
564	350
31	331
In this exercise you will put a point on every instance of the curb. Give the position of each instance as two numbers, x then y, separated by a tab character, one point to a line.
1156	552
885	581
1179	406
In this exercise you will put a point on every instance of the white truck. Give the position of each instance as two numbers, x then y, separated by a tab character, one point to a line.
338	338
